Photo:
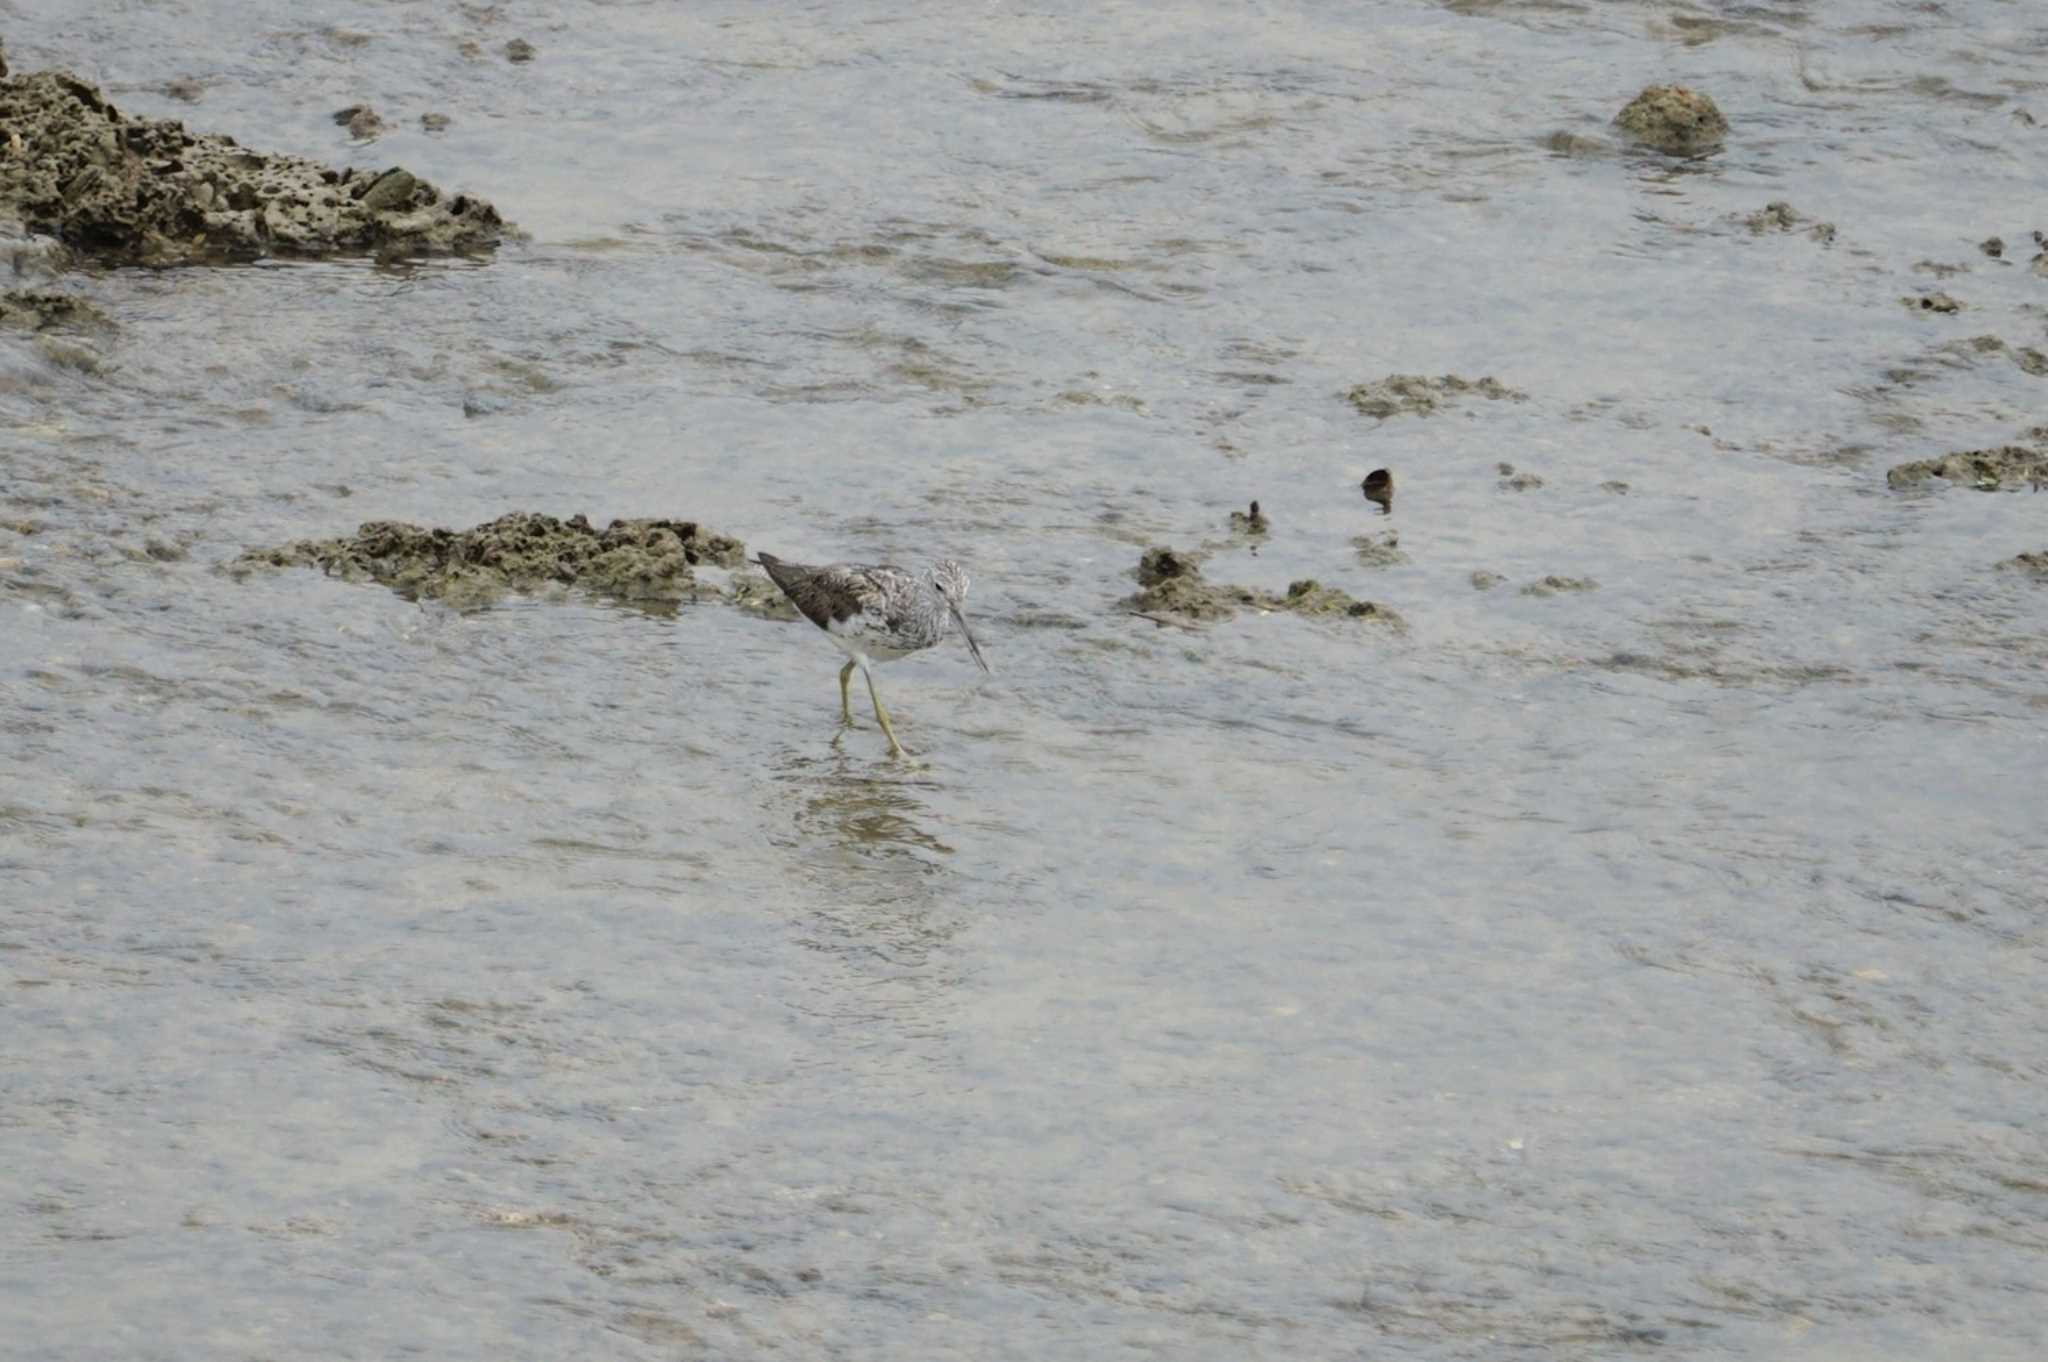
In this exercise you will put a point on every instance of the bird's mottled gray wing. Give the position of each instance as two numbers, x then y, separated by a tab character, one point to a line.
821	594
836	595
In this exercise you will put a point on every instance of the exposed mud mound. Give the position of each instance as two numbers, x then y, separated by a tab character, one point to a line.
145	191
1174	586
635	560
1674	120
1419	396
2008	468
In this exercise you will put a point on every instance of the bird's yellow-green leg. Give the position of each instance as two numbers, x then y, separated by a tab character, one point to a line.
845	710
882	715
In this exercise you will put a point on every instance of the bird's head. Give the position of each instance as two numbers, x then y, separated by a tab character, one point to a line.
950	579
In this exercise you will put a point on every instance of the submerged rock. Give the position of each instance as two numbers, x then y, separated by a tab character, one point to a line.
1378	487
1417	395
362	121
636	560
1551	585
1379	550
755	594
1310	597
1674	120
2009	467
1936	301
39	310
1251	522
1173	585
129	190
2033	564
1780	216
1163	564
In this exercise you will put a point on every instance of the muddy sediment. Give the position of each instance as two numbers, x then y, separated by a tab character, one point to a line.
1173	585
644	561
126	190
2006	468
1674	120
1417	395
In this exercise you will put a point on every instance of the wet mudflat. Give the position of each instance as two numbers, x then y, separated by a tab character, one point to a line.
1639	952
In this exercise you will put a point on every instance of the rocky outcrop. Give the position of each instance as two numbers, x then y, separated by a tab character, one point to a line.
126	190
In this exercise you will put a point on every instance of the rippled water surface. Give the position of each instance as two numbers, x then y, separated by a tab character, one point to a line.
1649	969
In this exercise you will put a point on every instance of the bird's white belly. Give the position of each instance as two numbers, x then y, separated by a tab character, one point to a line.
858	639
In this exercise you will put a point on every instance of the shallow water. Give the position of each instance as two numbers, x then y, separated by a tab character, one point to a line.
1650	969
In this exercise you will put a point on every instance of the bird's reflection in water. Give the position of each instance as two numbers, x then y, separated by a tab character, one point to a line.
887	915
861	815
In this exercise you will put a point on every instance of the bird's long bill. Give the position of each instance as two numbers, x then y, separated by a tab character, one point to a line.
960	618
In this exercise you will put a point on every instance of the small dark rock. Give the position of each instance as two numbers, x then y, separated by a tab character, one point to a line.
1993	247
1379	489
435	122
521	51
